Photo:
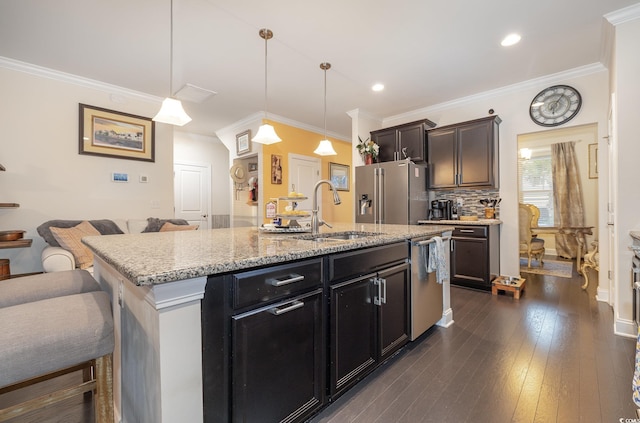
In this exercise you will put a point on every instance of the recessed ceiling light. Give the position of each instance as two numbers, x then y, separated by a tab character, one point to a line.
510	40
377	87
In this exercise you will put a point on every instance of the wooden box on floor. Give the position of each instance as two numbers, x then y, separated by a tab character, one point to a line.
506	284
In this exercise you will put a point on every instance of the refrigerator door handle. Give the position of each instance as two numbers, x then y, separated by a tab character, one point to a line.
375	195
382	199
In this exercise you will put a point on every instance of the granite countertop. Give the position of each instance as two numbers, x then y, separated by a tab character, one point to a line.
479	222
155	258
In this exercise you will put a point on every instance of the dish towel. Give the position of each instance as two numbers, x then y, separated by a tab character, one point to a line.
636	374
436	260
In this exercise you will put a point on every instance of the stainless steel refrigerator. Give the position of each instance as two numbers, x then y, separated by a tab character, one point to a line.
392	193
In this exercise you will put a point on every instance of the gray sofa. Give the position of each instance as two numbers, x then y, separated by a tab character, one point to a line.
56	259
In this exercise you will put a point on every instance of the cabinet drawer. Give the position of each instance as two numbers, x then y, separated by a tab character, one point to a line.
361	262
470	231
275	282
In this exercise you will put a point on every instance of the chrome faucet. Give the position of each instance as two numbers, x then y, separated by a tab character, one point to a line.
315	222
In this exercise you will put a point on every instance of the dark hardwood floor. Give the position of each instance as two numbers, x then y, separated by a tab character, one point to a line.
549	357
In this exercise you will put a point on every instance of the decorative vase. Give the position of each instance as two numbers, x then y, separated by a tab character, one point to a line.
368	159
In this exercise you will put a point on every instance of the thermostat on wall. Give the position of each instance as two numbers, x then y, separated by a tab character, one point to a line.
119	177
144	179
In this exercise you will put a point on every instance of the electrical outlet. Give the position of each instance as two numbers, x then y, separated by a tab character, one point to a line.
459	201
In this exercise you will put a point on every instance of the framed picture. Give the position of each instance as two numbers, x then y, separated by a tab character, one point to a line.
114	134
276	169
253	167
243	142
339	176
593	161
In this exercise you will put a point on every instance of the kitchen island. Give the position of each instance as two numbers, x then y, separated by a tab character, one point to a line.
157	281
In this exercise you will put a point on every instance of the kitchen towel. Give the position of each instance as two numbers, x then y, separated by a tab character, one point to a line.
436	260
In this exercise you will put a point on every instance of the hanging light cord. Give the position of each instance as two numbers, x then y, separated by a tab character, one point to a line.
266	34
171	51
325	66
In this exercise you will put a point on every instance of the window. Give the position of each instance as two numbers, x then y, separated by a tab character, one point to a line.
535	182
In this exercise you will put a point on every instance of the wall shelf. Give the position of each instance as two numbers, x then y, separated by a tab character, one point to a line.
19	243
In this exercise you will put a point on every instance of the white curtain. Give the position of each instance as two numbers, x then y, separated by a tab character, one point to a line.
567	195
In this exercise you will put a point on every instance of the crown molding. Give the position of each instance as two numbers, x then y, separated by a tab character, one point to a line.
520	86
43	72
623	15
362	114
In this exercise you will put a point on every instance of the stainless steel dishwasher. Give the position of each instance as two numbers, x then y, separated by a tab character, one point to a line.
426	293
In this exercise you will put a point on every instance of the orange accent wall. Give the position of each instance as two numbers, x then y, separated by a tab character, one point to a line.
300	141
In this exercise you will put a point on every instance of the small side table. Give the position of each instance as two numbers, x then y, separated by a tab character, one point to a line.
503	283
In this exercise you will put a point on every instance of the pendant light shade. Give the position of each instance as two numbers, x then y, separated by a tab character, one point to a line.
266	134
171	111
325	148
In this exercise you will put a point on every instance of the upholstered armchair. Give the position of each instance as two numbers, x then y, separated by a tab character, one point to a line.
531	246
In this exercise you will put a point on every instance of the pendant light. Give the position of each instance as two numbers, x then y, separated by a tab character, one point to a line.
325	148
266	134
171	111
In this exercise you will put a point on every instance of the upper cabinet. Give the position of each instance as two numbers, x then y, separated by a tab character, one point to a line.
402	141
464	155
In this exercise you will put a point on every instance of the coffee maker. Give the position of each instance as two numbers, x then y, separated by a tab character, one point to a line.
440	210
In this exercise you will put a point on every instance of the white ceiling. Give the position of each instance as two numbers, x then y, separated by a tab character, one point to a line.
425	51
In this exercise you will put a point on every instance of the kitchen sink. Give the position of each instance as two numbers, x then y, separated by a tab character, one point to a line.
337	236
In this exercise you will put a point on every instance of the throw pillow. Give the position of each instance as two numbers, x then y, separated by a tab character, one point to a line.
170	227
104	226
154	224
71	239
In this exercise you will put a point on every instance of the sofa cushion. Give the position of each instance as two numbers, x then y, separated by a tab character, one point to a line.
170	227
38	287
154	224
104	227
71	239
52	334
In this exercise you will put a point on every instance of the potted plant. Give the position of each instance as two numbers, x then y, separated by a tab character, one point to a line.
368	150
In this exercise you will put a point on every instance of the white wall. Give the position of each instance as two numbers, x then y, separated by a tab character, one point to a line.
627	217
50	180
201	149
512	105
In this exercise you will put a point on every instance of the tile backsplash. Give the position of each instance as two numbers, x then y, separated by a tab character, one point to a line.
471	200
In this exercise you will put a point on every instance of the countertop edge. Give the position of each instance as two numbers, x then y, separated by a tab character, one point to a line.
145	274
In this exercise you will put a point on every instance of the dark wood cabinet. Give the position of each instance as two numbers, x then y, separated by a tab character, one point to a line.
264	344
353	329
402	141
464	154
475	256
278	364
278	341
369	316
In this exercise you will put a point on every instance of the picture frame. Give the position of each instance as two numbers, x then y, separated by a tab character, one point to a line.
109	133
276	169
253	167
339	176
593	161
243	142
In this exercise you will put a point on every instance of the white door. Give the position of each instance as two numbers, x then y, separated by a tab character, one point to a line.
191	193
304	172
